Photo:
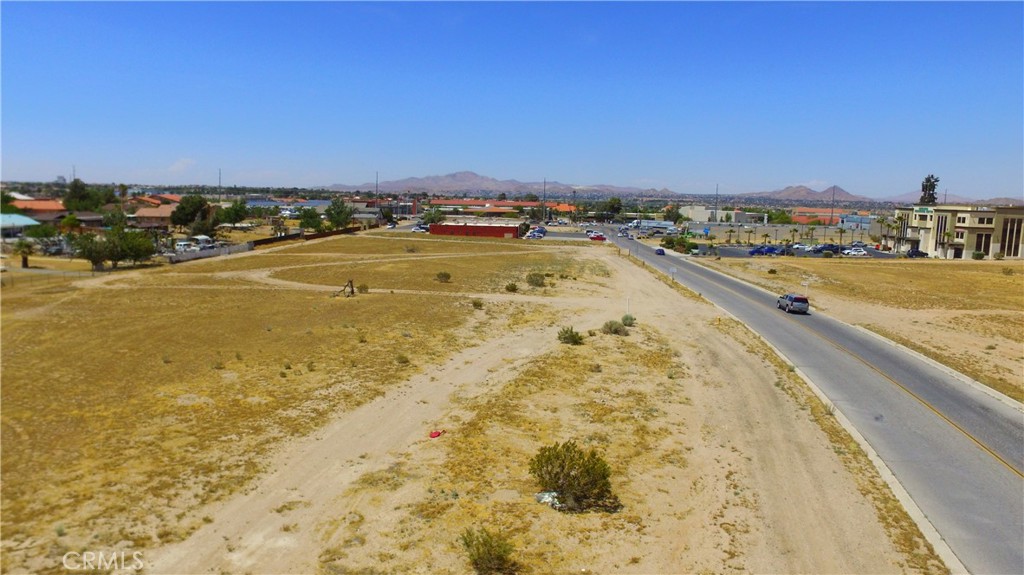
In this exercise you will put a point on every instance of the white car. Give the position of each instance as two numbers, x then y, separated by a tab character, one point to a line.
855	252
799	246
421	229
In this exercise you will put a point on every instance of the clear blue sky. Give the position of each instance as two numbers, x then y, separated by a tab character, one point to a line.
751	96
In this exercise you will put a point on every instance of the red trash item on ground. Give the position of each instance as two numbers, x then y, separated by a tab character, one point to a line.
435	434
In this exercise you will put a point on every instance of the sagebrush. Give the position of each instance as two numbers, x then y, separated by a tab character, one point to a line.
488	552
581	479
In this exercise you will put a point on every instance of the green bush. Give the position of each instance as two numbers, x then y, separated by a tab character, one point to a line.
998	256
570	336
580	479
978	255
478	303
628	320
827	254
773	271
613	327
362	288
488	552
535	279
444	277
511	287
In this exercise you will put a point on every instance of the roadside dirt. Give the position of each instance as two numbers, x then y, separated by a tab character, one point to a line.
737	477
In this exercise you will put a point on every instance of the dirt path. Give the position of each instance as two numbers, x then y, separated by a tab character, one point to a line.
767	492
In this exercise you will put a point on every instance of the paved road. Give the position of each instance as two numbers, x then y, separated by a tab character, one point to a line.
957	450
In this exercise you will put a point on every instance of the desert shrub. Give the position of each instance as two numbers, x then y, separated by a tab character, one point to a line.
628	320
827	254
570	336
401	359
444	277
478	303
511	287
595	368
488	552
410	249
581	479
613	327
1008	271
773	271
978	255
535	279
999	256
362	288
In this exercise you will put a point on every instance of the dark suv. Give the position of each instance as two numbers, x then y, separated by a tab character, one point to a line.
916	253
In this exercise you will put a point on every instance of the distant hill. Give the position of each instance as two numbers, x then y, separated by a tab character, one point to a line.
805	194
912	198
473	183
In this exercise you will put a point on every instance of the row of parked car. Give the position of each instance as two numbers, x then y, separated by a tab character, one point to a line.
855	249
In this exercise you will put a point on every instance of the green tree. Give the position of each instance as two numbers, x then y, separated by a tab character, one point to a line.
433	216
77	197
42	232
115	218
90	248
70	224
613	206
310	219
24	248
531	198
502	197
339	214
235	213
792	235
6	205
191	208
928	194
672	214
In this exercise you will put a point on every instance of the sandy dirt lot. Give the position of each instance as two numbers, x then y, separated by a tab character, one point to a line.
723	460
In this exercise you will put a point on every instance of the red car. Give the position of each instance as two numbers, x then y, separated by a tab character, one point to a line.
598	238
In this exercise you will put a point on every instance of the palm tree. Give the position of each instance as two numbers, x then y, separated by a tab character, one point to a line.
900	219
841	231
729	233
749	233
792	235
810	233
765	237
24	248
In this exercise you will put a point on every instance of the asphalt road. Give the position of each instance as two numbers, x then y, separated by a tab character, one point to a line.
957	450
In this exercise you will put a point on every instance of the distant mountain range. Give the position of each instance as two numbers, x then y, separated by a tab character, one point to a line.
471	183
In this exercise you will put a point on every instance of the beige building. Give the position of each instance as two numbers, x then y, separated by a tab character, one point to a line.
957	231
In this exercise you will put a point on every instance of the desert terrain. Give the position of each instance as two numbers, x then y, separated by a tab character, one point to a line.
237	415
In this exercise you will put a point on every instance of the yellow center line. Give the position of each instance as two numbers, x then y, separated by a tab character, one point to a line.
874	368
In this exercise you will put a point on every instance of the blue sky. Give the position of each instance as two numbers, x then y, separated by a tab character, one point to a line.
750	96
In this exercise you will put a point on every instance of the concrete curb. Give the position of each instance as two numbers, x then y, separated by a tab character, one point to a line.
942	549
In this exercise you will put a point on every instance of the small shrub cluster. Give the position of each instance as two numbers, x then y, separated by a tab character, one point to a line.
410	249
478	303
535	279
614	328
827	254
978	255
628	320
581	479
362	288
488	552
511	287
570	336
773	271
1008	271
444	277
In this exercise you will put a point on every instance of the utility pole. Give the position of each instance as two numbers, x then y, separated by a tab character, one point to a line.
714	214
832	211
219	191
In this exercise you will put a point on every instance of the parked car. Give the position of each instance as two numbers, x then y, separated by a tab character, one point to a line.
421	229
858	244
826	248
659	252
855	252
916	253
793	303
764	251
391	225
800	246
598	237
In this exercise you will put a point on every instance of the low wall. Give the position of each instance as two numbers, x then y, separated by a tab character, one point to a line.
202	254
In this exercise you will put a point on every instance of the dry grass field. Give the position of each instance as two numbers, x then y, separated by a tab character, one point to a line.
968	315
233	415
